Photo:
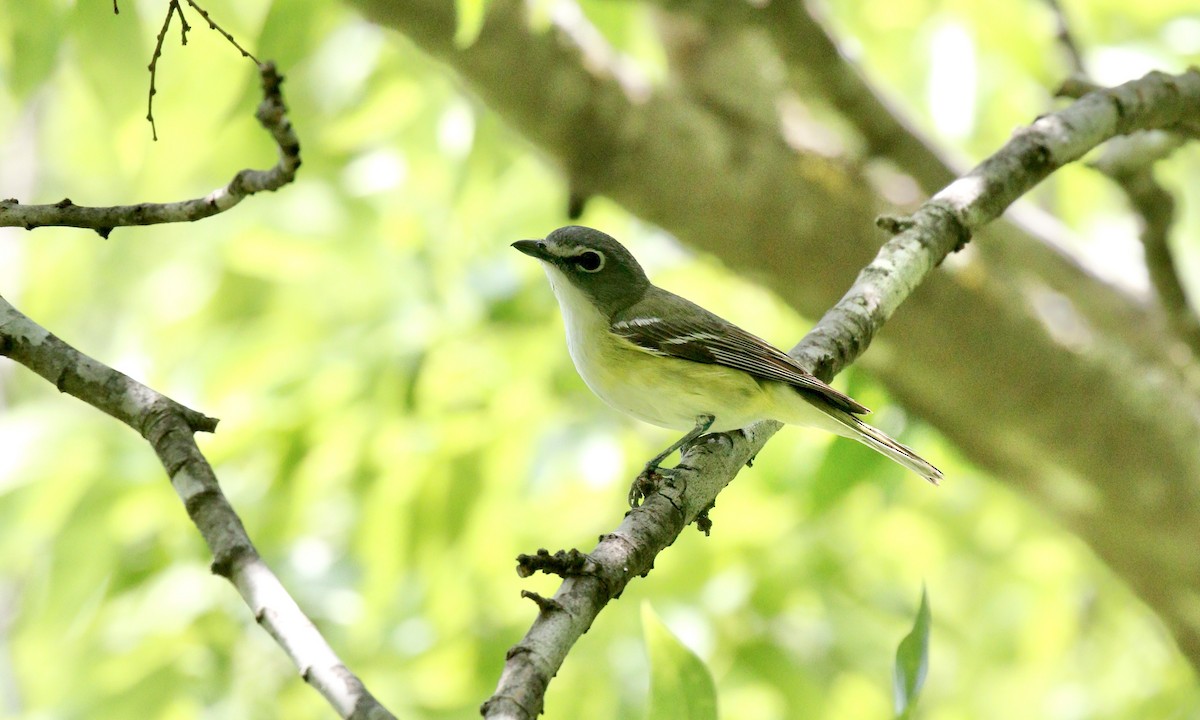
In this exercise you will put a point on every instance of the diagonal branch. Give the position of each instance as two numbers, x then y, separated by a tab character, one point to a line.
172	8
939	227
212	24
1076	87
1066	39
1155	101
272	114
817	66
1017	241
169	428
807	47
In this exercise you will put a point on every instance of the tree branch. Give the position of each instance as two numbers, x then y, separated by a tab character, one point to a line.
169	427
1096	421
818	68
271	114
212	25
940	226
1077	87
1016	242
1066	39
172	9
809	49
979	197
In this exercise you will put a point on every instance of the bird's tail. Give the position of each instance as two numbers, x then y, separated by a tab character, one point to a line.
879	441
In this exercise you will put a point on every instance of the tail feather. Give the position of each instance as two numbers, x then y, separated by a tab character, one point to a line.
879	441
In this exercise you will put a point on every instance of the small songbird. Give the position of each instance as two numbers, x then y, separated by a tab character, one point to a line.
665	360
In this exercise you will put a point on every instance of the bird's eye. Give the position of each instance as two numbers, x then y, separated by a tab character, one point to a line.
590	261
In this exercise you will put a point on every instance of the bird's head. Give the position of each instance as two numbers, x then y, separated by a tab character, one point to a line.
591	263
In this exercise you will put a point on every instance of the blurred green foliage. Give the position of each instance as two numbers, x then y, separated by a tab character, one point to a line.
681	687
400	418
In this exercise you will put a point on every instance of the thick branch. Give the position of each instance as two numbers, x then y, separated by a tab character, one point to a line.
941	225
818	67
169	428
807	48
1129	162
1077	87
979	197
272	114
1029	239
1060	388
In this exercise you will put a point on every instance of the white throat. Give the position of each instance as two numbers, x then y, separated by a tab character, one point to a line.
580	315
586	327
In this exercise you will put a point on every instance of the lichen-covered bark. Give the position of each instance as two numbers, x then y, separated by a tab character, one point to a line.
170	429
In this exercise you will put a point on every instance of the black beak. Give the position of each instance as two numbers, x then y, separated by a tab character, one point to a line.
533	248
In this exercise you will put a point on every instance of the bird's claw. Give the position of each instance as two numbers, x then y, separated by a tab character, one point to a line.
644	484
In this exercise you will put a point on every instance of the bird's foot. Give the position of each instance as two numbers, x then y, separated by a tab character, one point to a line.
644	484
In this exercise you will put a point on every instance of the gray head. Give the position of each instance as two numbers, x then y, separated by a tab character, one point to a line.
593	263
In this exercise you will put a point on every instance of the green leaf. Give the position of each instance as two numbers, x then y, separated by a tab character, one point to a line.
470	15
681	687
912	661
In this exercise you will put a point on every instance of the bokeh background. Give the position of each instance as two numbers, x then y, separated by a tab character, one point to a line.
400	419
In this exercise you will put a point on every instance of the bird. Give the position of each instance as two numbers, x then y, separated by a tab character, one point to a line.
664	360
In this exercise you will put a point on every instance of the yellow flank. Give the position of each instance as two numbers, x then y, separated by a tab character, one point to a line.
670	392
666	391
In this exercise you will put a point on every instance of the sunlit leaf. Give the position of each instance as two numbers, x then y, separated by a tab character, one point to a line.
912	661
470	21
681	687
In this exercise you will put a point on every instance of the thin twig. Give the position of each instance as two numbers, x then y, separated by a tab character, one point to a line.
1129	162
169	427
1066	40
212	24
183	26
172	8
1156	207
271	114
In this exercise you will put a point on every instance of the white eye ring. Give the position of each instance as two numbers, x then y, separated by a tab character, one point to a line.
584	261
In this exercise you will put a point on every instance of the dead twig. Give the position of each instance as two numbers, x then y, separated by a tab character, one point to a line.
272	114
